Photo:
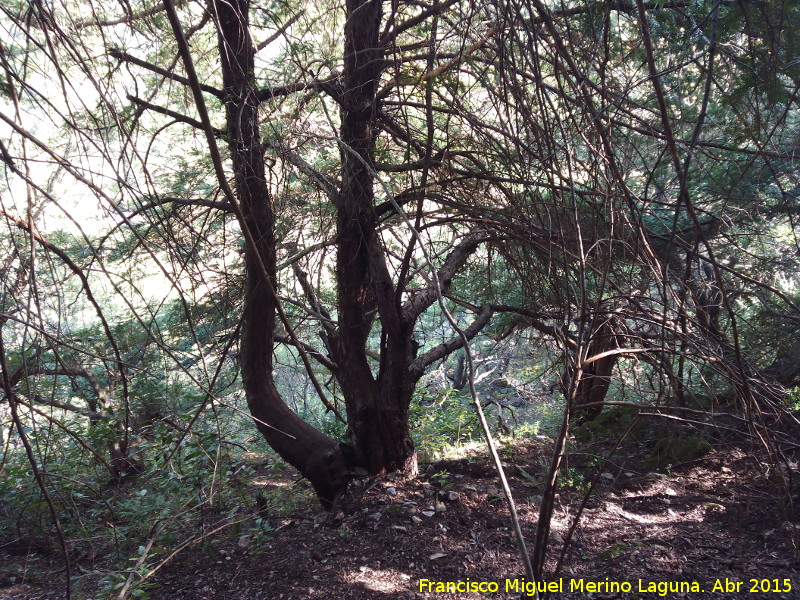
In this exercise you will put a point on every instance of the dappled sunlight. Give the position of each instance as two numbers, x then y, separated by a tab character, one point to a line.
380	580
274	274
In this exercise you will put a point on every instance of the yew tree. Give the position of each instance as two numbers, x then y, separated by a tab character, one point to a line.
382	285
325	172
377	396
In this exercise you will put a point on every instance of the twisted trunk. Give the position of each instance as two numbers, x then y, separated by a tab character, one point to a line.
315	455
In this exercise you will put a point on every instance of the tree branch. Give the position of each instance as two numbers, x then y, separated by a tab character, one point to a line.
389	36
328	85
418	365
181	118
314	353
128	18
281	30
420	301
128	58
223	206
330	188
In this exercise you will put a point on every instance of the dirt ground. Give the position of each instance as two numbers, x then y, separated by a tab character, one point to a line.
714	528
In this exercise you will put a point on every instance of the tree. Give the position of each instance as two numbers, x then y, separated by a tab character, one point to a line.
381	290
363	165
377	403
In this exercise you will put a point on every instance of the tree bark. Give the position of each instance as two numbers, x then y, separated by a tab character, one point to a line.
377	398
315	455
377	406
596	377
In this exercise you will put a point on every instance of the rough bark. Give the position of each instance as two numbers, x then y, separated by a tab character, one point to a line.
596	377
377	399
377	406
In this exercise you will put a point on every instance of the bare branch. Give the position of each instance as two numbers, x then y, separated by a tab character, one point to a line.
128	18
329	85
453	344
181	118
129	58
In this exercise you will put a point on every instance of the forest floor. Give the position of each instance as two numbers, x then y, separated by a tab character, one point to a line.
713	528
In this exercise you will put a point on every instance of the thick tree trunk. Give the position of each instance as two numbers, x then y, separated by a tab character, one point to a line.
596	377
315	455
377	407
377	398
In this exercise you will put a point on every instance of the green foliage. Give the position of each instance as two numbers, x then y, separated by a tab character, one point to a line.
188	482
793	398
256	536
332	426
611	423
441	478
571	189
528	429
438	421
573	480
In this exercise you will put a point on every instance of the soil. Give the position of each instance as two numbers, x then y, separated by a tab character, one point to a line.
714	528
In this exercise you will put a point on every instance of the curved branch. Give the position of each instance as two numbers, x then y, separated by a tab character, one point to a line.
418	303
438	352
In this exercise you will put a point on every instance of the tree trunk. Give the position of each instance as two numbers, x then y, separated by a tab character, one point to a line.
596	377
707	298
377	407
377	398
315	455
459	379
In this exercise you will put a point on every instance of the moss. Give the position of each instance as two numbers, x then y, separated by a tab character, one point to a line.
671	451
611	423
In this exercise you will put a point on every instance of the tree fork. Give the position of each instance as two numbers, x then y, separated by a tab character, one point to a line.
377	406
